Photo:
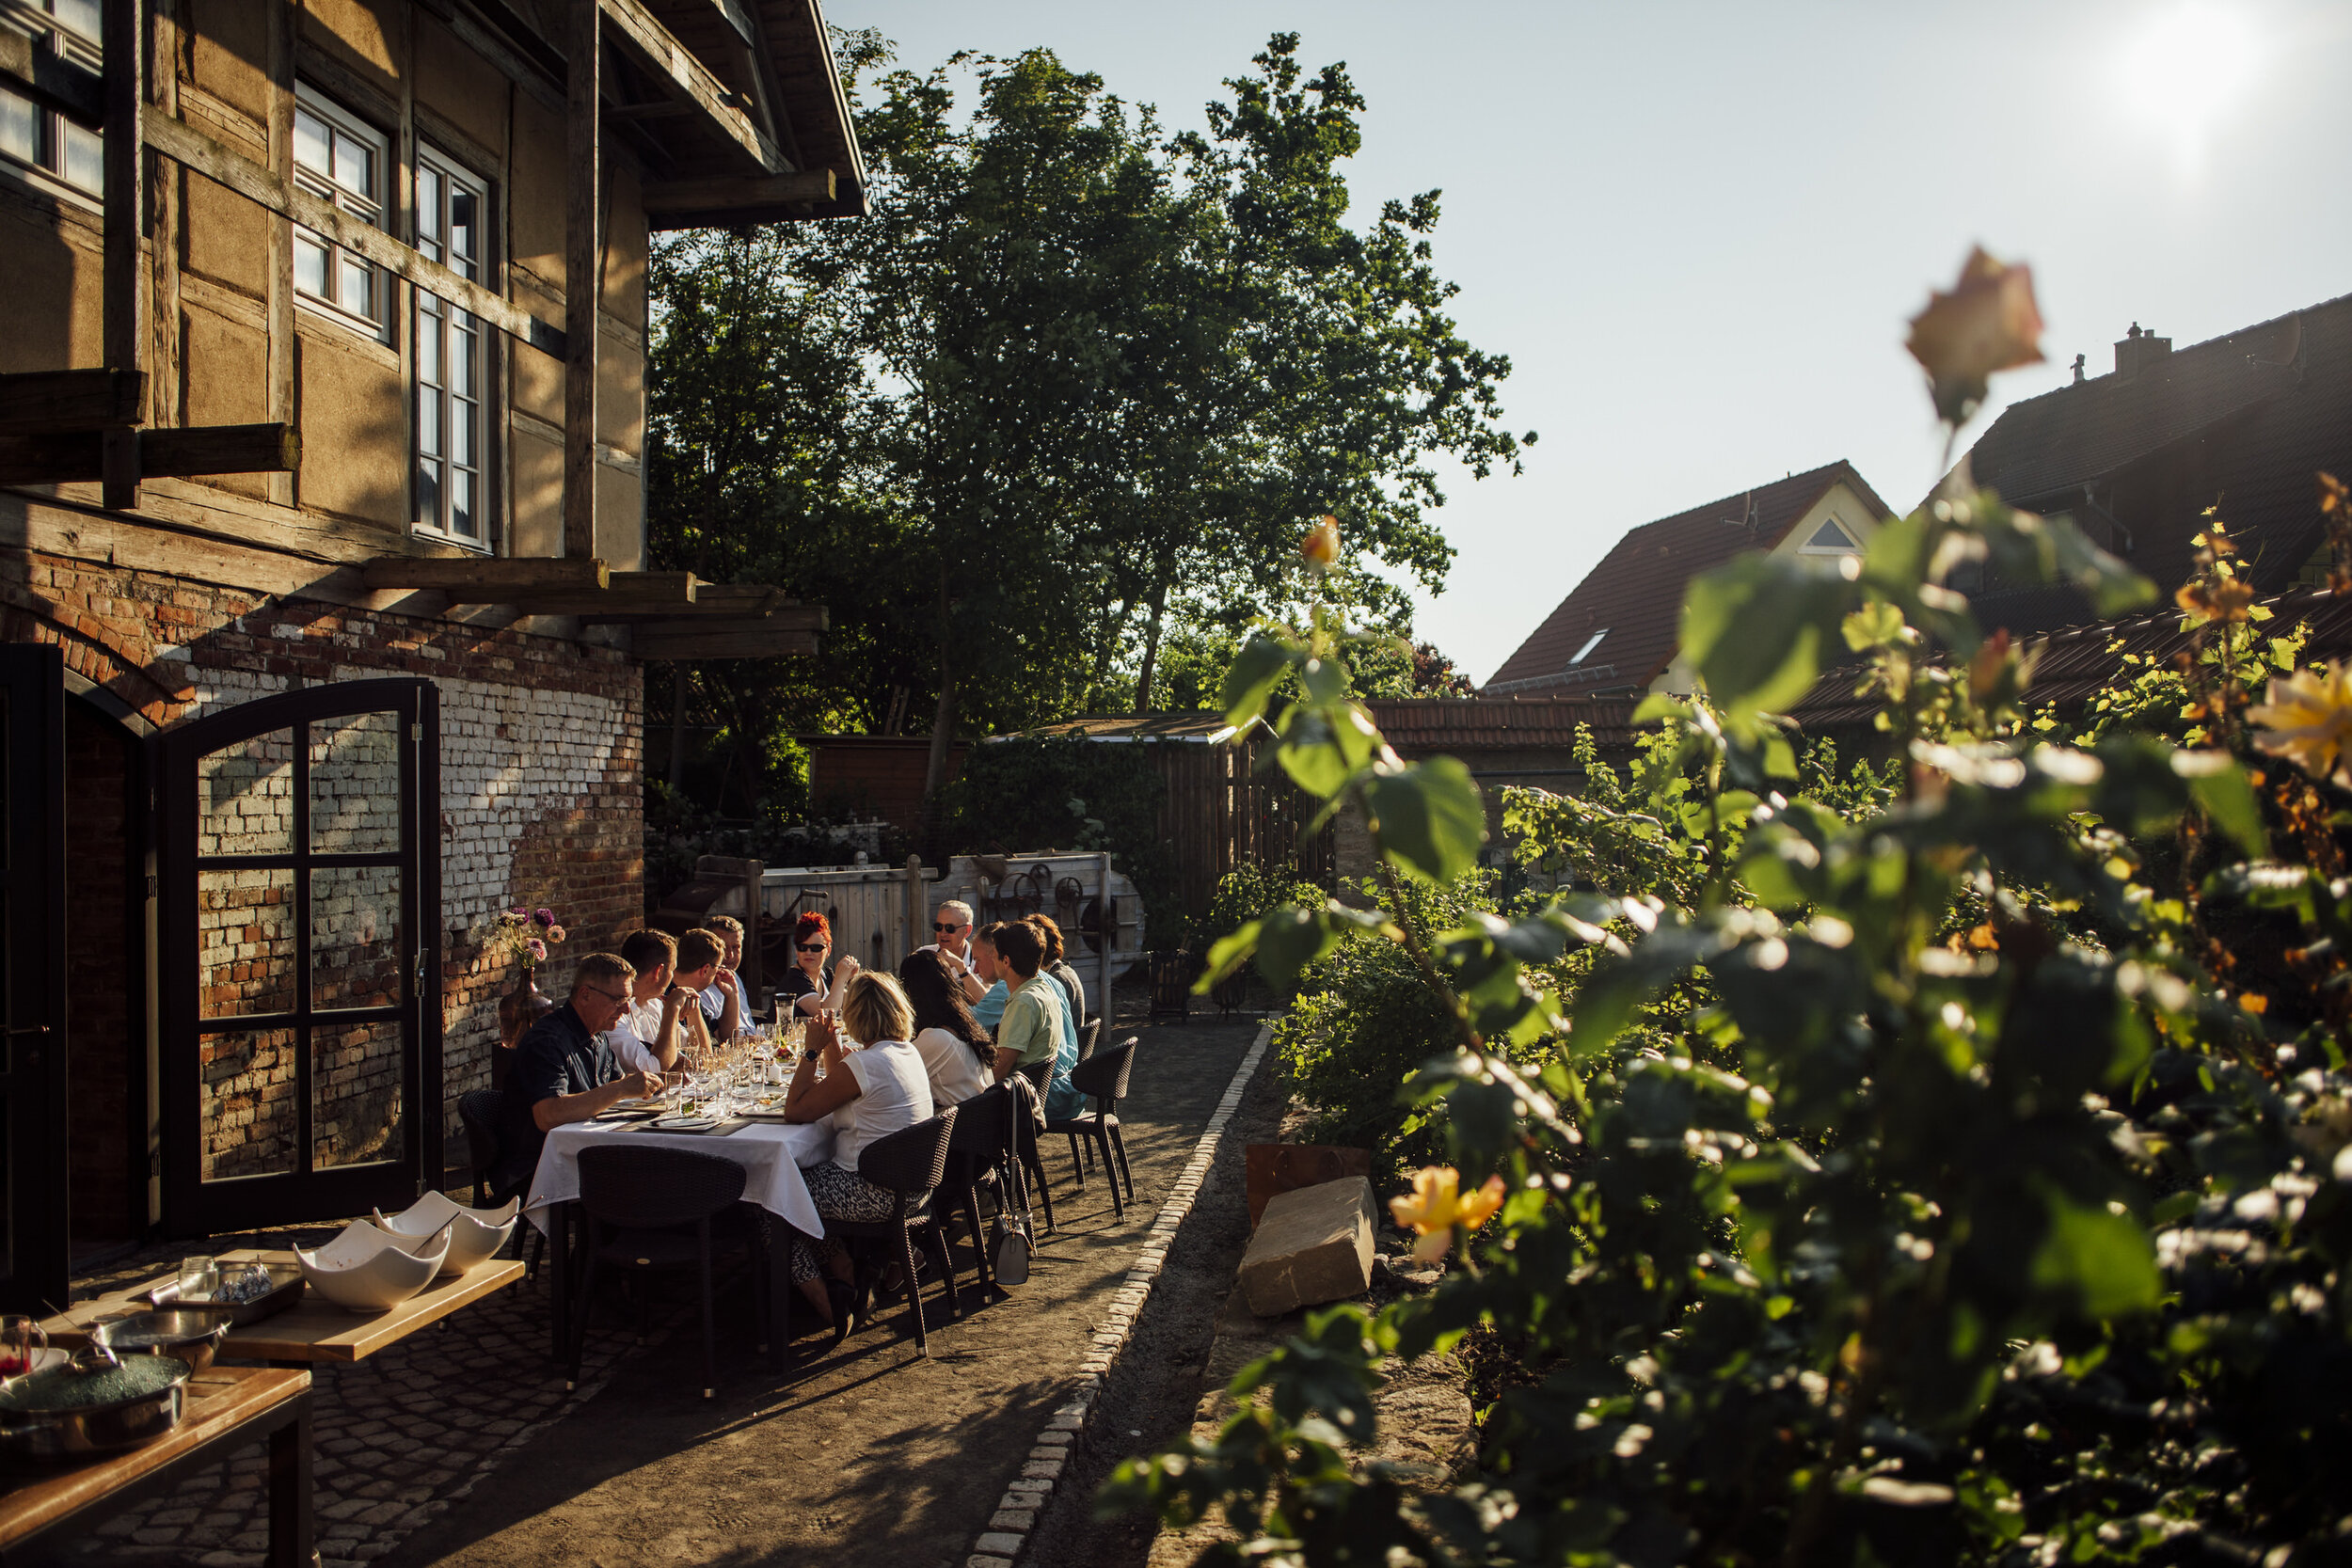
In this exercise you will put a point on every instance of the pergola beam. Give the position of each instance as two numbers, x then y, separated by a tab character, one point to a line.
479	579
627	594
169	452
40	403
679	639
687	80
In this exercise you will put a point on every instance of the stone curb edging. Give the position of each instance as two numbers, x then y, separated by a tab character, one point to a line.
1026	1499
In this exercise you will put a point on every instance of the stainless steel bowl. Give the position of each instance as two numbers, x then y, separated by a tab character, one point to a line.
35	1427
192	1336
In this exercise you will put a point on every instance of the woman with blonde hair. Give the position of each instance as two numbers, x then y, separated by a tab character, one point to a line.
875	1084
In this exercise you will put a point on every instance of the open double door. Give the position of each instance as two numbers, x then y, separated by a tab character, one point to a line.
292	1070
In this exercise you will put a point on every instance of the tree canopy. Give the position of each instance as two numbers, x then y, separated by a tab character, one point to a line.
1064	401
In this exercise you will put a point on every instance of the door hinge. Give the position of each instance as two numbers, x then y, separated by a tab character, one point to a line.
416	730
155	888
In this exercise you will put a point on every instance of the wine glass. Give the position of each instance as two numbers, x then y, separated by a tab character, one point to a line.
22	1343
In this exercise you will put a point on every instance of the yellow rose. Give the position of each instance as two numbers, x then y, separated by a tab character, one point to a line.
1437	1204
1988	323
1322	544
2309	720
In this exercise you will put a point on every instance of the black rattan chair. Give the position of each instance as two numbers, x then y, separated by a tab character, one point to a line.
1103	1080
981	1155
1089	1038
909	1165
484	1112
1030	1155
651	1208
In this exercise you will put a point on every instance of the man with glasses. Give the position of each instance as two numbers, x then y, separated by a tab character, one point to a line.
951	939
564	1072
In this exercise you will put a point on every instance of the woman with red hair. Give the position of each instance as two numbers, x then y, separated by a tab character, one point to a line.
809	986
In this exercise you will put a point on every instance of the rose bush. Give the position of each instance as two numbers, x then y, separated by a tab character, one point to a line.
1946	1165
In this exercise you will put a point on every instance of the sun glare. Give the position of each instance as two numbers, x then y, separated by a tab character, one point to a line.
2189	63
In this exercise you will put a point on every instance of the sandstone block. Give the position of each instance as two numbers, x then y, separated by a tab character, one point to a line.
1312	1244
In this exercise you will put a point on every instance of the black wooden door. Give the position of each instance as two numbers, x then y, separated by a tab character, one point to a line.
34	1269
299	851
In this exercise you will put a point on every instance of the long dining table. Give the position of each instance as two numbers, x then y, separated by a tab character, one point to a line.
770	1152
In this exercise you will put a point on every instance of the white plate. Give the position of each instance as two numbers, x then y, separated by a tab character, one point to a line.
682	1124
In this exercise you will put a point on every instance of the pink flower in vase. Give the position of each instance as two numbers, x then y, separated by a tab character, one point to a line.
555	934
545	917
538	951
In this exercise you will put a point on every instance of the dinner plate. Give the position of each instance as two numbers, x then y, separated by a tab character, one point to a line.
681	1124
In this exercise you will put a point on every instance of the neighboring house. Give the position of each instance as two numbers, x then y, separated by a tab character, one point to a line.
322	609
2241	423
2134	457
1620	630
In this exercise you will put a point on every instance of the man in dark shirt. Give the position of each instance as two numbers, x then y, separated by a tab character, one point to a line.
564	1072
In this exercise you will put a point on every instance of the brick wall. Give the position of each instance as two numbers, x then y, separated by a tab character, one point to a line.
541	803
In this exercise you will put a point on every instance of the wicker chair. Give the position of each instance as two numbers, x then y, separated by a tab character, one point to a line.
981	1154
483	1113
651	1208
1031	1157
1103	1080
1089	1038
909	1165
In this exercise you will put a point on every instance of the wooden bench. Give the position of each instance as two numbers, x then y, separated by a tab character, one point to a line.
228	1407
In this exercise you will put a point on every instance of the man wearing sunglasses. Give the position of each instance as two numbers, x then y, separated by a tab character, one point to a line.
951	939
564	1070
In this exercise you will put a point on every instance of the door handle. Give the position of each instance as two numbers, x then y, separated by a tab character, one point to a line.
29	1029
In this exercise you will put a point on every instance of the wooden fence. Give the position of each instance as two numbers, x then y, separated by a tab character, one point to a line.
1222	811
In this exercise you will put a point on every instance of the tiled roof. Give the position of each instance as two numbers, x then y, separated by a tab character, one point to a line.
2075	661
1129	726
1417	726
2242	421
1636	591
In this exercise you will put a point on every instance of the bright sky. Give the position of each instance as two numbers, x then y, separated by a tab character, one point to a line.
1698	228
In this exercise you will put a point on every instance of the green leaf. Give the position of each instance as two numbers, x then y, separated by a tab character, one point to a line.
1311	753
1250	680
2100	1258
2220	786
1754	628
1229	954
1289	940
1430	818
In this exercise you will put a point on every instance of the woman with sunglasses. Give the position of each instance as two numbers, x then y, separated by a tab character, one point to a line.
809	986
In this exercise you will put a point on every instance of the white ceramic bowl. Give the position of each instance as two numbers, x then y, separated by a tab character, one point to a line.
367	1270
475	1235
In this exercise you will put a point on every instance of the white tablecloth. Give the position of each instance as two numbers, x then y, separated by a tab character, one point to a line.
770	1152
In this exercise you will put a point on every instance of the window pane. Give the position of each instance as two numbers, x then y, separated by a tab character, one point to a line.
250	1109
428	345
245	947
461	513
85	17
245	797
428	201
461	424
429	493
355	291
355	783
462	230
85	158
429	421
310	141
466	347
355	937
356	1072
354	165
309	264
20	131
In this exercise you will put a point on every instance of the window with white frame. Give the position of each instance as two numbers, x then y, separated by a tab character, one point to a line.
42	139
453	209
341	159
1831	538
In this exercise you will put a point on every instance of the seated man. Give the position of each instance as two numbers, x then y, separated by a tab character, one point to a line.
1034	1028
990	1006
562	1070
699	956
726	982
952	940
662	1017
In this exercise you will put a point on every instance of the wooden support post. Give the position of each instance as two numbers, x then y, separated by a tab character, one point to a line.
583	249
163	74
125	160
278	59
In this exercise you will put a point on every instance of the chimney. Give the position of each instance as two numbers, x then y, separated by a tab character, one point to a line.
2137	351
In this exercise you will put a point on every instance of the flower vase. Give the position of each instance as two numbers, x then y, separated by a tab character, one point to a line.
521	1008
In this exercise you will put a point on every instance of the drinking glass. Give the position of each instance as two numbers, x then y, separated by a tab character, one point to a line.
22	1340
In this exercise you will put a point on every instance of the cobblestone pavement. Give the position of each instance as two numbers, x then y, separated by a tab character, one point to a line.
884	1457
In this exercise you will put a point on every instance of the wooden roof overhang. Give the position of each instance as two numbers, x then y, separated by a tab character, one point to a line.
672	615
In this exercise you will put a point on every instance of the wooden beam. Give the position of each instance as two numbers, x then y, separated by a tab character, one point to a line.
124	160
474	579
629	114
697	640
34	402
744	603
52	80
767	190
629	593
688	80
176	139
583	272
226	448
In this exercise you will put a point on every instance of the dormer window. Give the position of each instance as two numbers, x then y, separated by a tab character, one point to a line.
1590	643
1831	538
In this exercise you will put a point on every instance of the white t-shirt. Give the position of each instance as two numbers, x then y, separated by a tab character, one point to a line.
894	1093
631	1037
955	1069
